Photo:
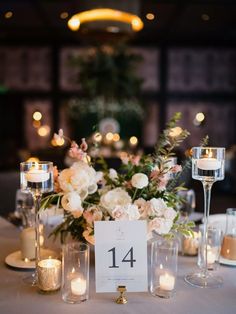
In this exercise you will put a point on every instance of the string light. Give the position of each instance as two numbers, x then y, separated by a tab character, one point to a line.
150	16
64	15
8	14
133	140
44	130
37	115
200	116
109	136
97	137
116	137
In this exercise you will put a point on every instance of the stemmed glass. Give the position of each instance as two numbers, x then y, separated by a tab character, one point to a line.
37	178
208	167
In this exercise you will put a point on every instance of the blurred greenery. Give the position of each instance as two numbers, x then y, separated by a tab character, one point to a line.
110	88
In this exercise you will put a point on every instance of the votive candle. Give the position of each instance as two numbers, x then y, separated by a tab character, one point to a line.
167	282
27	243
78	286
49	274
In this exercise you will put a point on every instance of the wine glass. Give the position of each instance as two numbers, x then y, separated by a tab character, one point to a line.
208	167
37	178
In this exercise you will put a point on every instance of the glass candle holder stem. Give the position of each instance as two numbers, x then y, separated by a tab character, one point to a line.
37	200
207	185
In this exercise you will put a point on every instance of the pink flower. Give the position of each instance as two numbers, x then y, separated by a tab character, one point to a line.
57	187
58	136
92	214
160	225
124	158
143	207
160	178
135	160
162	183
154	174
89	236
119	213
76	152
176	168
55	173
61	133
84	145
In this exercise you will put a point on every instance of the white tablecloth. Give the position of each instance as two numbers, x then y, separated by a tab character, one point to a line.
17	297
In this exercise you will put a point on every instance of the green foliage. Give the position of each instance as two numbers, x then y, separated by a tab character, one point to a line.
109	83
167	143
109	72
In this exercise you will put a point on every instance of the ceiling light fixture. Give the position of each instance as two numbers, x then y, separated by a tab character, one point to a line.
105	15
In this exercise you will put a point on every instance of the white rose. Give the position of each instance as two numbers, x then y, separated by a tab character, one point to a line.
160	225
133	212
64	180
143	207
119	213
114	198
139	180
112	174
158	206
81	165
71	202
85	177
80	180
170	213
127	212
73	179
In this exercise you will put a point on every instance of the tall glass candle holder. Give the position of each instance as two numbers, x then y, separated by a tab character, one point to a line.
208	167
164	255
75	272
37	178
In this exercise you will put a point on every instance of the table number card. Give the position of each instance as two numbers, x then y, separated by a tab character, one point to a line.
121	255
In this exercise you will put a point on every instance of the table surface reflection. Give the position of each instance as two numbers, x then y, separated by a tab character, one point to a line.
18	297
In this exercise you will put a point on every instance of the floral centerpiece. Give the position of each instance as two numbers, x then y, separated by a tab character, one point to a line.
144	188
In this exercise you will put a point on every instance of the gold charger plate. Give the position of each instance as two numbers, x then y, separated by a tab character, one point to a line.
14	260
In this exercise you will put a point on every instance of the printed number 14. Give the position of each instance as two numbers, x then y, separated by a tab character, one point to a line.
130	253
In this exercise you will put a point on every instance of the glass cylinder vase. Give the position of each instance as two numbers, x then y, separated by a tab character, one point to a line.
228	250
214	239
164	257
75	272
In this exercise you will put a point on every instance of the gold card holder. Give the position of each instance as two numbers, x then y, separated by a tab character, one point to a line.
122	298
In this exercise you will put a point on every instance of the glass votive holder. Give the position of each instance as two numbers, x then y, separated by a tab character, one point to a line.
213	247
75	272
48	274
190	244
48	258
164	257
228	249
